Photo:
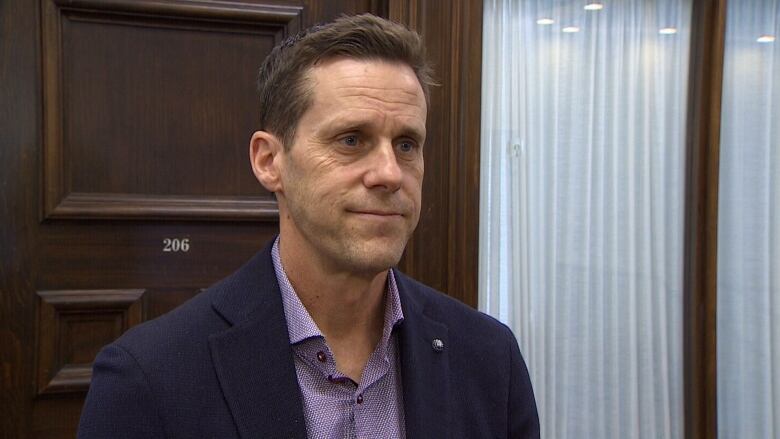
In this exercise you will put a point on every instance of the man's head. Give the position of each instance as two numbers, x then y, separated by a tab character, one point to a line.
346	160
283	83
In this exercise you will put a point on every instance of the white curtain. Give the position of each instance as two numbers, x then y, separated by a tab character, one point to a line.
749	225
581	222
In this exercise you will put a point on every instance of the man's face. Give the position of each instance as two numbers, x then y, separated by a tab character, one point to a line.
351	182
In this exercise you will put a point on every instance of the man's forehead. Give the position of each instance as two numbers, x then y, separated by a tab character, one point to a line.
346	77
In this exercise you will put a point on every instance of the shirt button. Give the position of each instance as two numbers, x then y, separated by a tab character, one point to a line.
321	356
360	399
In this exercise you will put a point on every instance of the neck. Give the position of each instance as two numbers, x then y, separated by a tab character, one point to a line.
342	304
348	308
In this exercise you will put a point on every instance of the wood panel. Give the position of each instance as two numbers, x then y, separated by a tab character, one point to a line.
73	325
115	120
444	250
19	125
135	257
701	218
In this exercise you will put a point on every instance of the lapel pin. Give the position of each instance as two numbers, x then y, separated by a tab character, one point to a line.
438	345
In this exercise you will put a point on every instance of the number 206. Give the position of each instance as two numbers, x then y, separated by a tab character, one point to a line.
176	245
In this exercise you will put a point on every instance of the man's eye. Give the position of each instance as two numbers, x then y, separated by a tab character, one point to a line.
406	146
350	140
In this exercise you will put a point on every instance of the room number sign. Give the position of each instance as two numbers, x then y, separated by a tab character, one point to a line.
176	245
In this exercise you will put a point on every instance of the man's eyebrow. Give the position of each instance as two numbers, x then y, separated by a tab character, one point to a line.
341	124
414	133
345	125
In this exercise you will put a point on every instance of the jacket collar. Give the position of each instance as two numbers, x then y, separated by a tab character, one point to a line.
253	359
425	371
256	371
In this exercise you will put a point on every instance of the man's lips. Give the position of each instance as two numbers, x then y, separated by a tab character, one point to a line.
376	212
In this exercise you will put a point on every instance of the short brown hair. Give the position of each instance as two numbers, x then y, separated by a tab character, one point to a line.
282	83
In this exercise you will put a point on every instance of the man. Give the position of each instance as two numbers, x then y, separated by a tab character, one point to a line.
317	336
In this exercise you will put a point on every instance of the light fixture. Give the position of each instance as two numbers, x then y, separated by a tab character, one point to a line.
667	31
766	39
594	6
571	29
545	21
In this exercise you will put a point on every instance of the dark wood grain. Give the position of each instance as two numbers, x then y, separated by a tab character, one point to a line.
19	140
701	218
73	325
250	12
444	250
466	68
77	205
148	116
108	254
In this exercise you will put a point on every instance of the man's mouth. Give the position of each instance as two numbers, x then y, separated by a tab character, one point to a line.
376	213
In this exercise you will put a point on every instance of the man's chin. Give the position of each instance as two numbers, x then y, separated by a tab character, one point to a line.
374	259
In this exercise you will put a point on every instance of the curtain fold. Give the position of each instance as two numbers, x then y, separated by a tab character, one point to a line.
581	216
749	225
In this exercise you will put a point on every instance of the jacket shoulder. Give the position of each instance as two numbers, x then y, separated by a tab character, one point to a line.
450	311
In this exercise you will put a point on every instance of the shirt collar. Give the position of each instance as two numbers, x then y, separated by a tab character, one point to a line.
300	325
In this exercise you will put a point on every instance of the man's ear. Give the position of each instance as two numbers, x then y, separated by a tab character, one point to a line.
265	151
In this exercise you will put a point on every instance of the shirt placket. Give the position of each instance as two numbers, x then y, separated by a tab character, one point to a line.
319	357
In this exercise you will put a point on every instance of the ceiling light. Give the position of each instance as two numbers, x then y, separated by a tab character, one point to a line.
766	39
594	7
571	29
667	31
545	21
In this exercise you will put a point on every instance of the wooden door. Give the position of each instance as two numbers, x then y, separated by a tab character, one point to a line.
125	186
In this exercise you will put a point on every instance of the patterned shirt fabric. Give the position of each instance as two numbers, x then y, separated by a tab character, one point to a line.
334	406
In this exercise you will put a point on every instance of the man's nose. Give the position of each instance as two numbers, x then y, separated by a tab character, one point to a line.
383	171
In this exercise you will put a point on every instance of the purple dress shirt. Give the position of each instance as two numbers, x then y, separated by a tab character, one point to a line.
334	406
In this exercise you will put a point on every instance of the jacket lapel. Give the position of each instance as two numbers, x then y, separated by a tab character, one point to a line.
425	371
253	359
255	368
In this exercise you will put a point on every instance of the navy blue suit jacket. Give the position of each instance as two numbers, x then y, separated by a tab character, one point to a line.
221	366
